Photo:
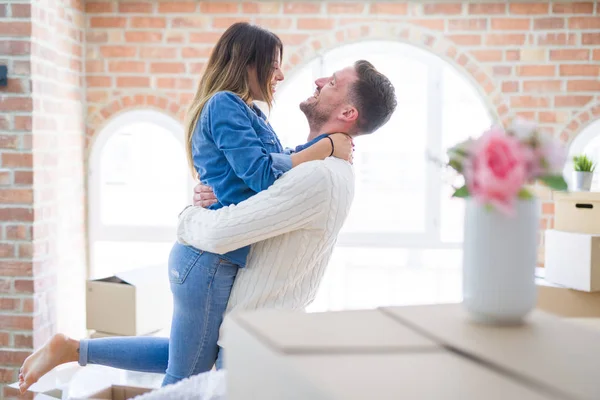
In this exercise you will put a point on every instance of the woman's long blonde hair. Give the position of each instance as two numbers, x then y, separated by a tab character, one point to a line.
241	46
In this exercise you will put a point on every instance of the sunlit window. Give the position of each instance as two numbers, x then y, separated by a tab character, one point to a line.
401	242
587	142
139	183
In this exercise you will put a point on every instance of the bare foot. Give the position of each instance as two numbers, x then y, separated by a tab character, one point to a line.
58	350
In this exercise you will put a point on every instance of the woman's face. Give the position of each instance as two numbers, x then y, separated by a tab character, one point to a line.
276	77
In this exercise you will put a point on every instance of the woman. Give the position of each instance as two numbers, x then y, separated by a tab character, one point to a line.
233	149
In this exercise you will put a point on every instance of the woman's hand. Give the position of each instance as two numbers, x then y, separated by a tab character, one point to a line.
343	146
204	196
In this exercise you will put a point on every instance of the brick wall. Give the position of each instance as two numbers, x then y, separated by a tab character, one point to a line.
537	59
16	192
42	254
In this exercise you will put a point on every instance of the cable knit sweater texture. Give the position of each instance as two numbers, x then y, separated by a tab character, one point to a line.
292	226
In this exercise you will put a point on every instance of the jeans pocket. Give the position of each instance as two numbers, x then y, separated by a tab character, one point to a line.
181	261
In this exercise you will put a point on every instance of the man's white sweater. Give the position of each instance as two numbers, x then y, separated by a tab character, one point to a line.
293	227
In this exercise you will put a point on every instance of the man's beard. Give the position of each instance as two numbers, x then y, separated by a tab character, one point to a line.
316	116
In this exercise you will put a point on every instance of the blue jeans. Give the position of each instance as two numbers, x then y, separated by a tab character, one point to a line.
201	283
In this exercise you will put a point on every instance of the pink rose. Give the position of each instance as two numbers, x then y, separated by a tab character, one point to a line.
547	159
552	155
497	169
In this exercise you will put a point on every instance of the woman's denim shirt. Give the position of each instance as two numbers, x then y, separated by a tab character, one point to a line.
237	153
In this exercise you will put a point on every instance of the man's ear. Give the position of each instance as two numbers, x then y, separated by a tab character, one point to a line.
349	114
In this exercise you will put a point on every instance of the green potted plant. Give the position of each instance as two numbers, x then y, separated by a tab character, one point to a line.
583	172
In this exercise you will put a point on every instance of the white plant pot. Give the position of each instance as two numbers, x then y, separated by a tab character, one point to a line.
582	181
499	260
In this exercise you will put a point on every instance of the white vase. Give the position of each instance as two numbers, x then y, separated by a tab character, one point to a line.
499	260
582	181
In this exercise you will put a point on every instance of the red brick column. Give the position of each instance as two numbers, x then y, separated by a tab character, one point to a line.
43	250
16	191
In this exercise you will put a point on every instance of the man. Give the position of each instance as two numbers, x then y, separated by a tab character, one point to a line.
293	225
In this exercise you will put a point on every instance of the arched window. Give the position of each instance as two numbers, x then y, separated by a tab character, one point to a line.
588	143
138	184
402	240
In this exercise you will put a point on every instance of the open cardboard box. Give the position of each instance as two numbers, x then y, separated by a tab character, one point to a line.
130	303
71	381
114	392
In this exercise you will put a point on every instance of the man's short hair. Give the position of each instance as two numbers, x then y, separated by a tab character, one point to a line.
374	97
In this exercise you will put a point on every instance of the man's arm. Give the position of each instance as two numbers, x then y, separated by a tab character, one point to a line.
293	202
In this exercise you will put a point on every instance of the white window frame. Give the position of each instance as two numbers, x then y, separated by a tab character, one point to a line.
589	133
578	146
99	232
431	238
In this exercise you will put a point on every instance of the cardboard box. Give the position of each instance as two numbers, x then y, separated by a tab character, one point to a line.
572	260
577	212
563	359
71	381
131	303
98	335
590	323
114	392
266	338
161	333
118	392
375	354
565	302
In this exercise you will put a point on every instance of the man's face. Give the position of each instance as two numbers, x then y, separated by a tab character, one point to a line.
331	94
